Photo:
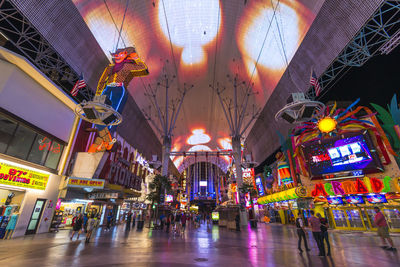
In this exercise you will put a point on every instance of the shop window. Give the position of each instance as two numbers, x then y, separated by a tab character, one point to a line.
40	149
7	129
54	155
21	143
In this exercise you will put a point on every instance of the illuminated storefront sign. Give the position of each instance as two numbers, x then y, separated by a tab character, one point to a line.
260	187
292	193
358	186
84	182
22	177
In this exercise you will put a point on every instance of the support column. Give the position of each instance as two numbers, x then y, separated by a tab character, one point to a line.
237	155
166	149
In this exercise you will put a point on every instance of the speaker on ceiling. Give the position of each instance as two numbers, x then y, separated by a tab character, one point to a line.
287	117
90	113
307	112
109	119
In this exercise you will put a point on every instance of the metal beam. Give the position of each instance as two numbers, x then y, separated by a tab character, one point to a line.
27	41
376	32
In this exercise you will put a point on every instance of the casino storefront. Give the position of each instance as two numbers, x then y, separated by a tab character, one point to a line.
349	203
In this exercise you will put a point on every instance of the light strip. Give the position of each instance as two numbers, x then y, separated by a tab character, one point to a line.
345	177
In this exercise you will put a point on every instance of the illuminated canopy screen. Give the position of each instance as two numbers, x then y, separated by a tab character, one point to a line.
201	42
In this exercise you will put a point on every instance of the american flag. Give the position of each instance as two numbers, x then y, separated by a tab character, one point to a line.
314	82
78	85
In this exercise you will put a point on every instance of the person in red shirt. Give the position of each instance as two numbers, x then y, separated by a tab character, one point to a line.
383	229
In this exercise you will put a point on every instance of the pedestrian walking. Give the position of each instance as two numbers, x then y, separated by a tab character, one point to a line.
109	220
183	222
168	222
91	224
301	233
162	221
128	221
315	224
178	222
324	233
78	226
383	230
133	220
237	221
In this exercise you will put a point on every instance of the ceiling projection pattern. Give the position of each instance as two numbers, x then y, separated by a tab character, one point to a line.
201	42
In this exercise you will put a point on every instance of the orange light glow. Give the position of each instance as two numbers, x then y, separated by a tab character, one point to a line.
225	143
198	137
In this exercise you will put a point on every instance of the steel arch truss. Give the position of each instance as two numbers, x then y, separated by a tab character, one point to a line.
372	37
27	41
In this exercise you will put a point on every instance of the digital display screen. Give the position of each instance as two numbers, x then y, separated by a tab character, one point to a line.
203	183
354	199
376	198
169	198
259	185
215	215
335	200
334	155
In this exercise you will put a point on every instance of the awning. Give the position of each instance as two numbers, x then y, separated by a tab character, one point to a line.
292	193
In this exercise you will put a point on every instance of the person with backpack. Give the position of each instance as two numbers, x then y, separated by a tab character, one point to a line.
78	226
301	233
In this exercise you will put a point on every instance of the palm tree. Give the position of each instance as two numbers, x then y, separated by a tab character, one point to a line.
159	186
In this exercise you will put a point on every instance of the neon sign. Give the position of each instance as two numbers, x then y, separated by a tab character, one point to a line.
358	186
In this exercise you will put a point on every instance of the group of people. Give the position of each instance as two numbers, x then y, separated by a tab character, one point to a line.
319	227
178	221
175	221
82	223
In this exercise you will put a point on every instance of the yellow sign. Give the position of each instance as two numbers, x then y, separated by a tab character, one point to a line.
22	177
292	193
84	182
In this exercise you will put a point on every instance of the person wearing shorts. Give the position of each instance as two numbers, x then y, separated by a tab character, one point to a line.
91	224
383	229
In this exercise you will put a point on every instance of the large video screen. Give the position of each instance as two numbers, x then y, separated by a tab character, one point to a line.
201	42
342	153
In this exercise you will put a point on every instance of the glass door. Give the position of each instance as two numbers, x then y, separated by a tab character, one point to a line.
35	217
355	219
393	218
339	217
370	213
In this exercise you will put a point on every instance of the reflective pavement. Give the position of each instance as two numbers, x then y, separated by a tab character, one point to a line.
269	245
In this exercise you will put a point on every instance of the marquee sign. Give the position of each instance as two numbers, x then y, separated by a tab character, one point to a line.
358	186
22	177
85	183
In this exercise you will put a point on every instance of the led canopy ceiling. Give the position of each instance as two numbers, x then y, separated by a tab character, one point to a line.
200	43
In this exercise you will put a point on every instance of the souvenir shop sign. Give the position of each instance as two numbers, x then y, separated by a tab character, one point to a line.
358	186
292	193
85	183
22	177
